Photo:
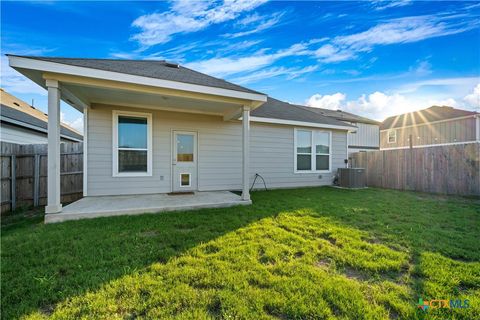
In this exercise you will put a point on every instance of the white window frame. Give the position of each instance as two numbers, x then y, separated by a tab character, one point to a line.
313	151
189	179
395	135
115	115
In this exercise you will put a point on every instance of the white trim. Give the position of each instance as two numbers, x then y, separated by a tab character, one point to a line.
35	128
394	130
429	123
189	180
477	125
301	123
85	152
432	145
55	67
313	153
148	116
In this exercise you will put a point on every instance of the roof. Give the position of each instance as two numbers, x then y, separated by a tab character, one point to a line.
342	115
158	69
434	113
277	109
18	111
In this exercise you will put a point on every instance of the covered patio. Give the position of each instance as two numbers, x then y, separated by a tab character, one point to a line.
107	206
88	85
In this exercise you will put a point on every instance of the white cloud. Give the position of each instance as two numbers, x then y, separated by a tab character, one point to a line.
225	66
332	102
394	31
76	123
291	73
14	82
382	5
187	16
265	23
473	99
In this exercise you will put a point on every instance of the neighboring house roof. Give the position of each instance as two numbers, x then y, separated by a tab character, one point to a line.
158	69
342	115
434	113
18	112
276	109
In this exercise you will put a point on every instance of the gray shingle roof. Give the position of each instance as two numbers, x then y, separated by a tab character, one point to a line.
277	109
434	113
342	115
13	114
158	69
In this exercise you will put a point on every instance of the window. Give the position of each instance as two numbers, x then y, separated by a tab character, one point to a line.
312	150
132	144
392	136
185	180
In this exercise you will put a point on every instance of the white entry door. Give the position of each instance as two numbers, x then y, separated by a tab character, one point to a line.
184	161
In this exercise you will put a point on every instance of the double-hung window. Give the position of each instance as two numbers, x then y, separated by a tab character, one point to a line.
312	151
132	144
392	136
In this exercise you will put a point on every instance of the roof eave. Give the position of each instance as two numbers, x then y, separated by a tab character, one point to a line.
22	62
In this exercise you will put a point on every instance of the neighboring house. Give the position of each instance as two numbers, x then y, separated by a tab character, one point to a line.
157	127
23	124
432	126
367	135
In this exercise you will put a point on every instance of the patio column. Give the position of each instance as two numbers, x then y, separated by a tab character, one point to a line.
53	202
246	152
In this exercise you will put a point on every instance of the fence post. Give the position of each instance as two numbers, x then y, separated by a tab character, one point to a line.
36	181
13	182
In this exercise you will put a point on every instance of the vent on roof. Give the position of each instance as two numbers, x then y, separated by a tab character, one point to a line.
16	104
171	65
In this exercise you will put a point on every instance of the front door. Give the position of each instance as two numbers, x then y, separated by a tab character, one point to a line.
184	161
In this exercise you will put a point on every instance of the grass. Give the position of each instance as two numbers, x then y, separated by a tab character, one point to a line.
294	254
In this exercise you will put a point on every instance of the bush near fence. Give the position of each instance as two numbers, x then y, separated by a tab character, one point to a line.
448	169
24	174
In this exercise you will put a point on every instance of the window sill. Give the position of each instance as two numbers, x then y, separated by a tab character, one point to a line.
312	171
132	174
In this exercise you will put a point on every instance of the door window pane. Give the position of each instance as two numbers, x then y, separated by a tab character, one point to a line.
132	132
132	161
185	179
322	142
185	147
304	142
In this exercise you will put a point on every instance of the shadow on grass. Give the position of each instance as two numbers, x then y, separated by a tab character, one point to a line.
43	265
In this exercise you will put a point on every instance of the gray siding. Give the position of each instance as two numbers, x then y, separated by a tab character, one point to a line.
19	135
367	135
461	130
219	154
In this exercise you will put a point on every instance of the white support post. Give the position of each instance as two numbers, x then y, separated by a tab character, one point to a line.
53	202
85	151
246	152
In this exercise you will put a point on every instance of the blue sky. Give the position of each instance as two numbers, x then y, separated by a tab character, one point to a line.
373	58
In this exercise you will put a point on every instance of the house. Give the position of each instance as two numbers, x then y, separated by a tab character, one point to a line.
154	127
367	135
23	124
428	127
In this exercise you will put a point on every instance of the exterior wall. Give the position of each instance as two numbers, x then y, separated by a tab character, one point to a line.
219	154
272	156
367	138
461	130
15	134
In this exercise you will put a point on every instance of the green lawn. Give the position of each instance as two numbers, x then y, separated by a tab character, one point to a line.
294	254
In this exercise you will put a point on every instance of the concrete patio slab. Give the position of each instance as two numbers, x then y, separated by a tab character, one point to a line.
106	206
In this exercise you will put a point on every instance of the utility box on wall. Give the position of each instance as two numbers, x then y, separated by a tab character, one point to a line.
351	178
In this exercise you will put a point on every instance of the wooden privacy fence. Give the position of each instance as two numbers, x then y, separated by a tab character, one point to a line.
24	174
452	169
